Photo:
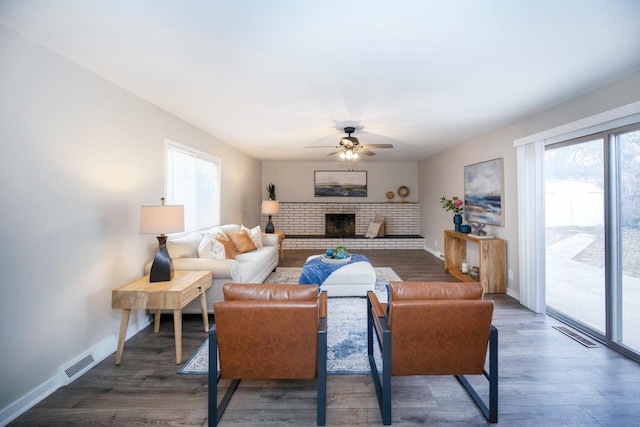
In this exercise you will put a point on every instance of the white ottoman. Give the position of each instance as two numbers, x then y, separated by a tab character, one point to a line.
351	280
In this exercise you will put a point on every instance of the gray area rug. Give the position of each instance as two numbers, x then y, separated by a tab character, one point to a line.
346	328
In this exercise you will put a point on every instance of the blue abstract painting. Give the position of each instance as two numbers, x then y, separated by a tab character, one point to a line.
483	192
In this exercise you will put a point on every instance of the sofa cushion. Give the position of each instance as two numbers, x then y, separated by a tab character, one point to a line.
184	246
261	257
248	271
256	235
229	250
211	248
241	242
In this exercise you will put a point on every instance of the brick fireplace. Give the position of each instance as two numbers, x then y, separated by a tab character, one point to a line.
339	225
304	225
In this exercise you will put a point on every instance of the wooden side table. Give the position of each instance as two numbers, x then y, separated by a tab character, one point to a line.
172	295
280	235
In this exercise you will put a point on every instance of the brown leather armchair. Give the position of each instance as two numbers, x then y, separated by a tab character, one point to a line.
268	331
433	328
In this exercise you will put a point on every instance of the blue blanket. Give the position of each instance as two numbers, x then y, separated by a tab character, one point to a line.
316	271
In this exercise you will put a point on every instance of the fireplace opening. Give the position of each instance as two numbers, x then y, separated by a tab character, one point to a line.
340	225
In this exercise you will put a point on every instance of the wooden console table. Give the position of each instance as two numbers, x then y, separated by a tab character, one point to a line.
173	295
491	259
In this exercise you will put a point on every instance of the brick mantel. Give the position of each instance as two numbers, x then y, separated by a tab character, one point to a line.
307	219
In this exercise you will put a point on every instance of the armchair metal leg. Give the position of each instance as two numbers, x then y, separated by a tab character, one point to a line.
491	412
322	372
215	411
383	388
213	377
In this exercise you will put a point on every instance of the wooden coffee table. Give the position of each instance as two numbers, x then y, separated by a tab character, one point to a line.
172	295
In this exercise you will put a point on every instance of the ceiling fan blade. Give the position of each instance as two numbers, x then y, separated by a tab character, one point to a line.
379	145
334	152
366	152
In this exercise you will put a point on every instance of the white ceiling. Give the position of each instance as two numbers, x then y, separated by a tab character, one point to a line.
272	77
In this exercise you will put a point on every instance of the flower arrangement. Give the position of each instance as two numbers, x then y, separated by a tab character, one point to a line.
453	204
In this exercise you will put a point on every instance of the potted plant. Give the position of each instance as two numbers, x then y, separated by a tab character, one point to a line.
272	191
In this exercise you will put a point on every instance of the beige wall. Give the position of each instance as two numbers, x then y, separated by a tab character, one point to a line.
294	181
443	174
79	157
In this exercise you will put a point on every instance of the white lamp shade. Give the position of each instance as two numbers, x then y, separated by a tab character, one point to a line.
270	207
161	219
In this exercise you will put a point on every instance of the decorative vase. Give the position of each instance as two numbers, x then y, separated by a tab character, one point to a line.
457	220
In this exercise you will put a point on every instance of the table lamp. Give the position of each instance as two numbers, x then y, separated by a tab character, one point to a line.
270	207
161	220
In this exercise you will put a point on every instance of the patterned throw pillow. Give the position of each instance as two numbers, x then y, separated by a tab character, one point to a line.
372	231
210	247
256	235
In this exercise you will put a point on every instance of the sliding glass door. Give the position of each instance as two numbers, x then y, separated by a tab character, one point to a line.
592	220
626	321
575	256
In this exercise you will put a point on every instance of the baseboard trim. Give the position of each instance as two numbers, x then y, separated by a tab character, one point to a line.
434	252
99	352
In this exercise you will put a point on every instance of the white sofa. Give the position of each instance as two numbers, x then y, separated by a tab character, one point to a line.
249	267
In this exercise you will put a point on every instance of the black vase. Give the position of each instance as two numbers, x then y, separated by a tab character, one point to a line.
457	220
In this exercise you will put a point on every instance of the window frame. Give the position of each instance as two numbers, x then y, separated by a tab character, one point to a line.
171	145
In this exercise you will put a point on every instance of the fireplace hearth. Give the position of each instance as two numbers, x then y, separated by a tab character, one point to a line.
339	225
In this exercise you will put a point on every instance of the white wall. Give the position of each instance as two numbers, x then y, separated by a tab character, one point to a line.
443	174
79	157
294	181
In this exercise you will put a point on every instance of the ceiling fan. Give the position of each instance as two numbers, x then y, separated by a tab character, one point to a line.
349	147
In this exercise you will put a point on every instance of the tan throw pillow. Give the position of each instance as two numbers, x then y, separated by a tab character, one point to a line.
241	242
229	251
256	235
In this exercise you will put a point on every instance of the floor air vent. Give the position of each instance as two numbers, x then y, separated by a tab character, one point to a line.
79	366
582	340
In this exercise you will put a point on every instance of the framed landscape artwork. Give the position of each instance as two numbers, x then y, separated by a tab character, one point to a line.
340	184
483	192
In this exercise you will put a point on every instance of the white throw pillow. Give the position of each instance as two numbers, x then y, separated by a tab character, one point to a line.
206	245
256	235
213	250
215	231
185	246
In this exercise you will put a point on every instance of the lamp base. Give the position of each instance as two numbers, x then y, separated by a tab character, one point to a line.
269	227
162	267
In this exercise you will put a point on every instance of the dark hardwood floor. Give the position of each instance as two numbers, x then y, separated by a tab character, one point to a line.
546	379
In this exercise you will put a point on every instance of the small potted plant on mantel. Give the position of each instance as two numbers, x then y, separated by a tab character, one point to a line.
272	191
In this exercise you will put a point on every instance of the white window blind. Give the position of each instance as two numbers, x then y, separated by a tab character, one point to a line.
192	179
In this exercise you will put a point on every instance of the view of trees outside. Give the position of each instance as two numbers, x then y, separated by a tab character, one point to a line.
574	182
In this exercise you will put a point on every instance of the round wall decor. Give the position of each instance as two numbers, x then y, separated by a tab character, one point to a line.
390	195
403	191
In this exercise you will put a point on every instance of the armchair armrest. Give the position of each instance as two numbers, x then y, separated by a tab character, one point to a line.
376	307
323	304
